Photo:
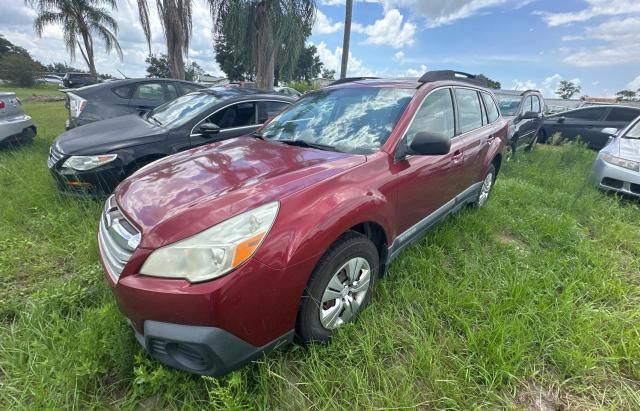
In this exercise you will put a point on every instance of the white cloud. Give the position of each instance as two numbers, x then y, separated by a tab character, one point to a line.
324	25
634	84
596	8
523	85
332	60
399	56
622	38
391	30
416	72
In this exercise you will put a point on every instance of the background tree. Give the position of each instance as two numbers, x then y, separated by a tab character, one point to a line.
274	32
328	74
80	20
17	65
308	66
234	62
493	84
158	66
627	95
566	89
175	16
346	41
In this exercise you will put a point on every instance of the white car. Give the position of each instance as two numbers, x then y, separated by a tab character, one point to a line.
15	125
49	79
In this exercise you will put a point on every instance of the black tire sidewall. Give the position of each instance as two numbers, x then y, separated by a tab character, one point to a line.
351	245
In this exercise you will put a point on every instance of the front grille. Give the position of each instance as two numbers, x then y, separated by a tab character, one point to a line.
54	156
612	182
117	238
635	188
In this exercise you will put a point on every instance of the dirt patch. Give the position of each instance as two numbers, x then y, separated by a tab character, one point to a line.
44	99
507	237
533	397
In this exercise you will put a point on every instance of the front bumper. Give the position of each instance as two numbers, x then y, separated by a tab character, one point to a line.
15	126
201	350
97	183
610	177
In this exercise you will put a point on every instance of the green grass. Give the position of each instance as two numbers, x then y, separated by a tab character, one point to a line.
531	300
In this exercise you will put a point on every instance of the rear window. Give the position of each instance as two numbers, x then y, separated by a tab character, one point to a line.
625	115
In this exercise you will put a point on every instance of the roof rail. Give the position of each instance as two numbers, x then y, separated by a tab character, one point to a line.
529	91
351	79
440	75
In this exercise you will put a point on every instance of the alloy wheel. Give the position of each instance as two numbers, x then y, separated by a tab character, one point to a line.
345	293
486	188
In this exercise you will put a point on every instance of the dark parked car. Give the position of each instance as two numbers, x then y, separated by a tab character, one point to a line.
75	80
221	253
117	98
524	112
93	159
588	122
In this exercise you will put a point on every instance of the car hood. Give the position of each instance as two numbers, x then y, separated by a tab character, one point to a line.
108	135
181	195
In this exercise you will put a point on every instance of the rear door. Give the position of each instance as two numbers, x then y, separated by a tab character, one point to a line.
151	94
234	120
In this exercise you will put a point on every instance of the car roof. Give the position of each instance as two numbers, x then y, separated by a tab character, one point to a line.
232	92
515	92
379	82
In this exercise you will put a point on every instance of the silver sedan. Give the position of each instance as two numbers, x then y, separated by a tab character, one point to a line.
617	167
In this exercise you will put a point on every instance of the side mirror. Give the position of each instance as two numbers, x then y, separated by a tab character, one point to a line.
612	131
561	119
208	129
530	115
430	144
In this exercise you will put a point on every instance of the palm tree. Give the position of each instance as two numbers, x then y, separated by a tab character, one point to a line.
347	39
265	31
80	20
175	16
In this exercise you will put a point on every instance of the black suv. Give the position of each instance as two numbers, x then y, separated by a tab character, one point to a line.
75	80
93	159
117	98
523	110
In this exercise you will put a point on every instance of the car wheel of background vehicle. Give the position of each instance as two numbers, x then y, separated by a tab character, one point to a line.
485	189
339	288
509	152
543	137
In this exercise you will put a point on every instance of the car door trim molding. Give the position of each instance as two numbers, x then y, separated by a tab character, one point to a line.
192	134
417	231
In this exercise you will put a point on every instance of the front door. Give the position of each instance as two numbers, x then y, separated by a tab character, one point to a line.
234	121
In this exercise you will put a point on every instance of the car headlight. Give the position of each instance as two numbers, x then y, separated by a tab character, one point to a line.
621	162
83	163
214	251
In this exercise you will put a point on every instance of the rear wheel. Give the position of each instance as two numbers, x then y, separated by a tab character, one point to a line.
340	287
485	189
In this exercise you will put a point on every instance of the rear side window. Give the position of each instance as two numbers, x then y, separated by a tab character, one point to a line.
436	115
237	115
492	109
149	91
270	109
469	109
626	115
188	88
595	113
123	91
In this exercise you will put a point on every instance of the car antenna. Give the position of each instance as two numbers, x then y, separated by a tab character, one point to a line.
123	75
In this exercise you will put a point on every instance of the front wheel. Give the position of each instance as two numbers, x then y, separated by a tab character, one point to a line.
340	287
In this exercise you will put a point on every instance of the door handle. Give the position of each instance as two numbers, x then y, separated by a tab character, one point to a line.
457	156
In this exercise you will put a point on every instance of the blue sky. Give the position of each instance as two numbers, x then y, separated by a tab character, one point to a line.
521	43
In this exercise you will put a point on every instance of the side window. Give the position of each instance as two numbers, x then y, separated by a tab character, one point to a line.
122	92
625	115
593	113
526	105
536	104
170	91
237	115
270	109
435	115
149	91
492	109
188	88
470	113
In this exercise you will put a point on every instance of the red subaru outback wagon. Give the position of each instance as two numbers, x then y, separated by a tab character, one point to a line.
218	254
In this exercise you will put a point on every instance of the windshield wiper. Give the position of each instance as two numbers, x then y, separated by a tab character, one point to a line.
155	120
257	134
303	143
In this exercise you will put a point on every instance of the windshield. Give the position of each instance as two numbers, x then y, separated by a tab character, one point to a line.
351	120
179	111
634	132
508	104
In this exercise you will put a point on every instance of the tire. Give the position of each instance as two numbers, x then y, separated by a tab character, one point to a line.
543	137
318	321
485	189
